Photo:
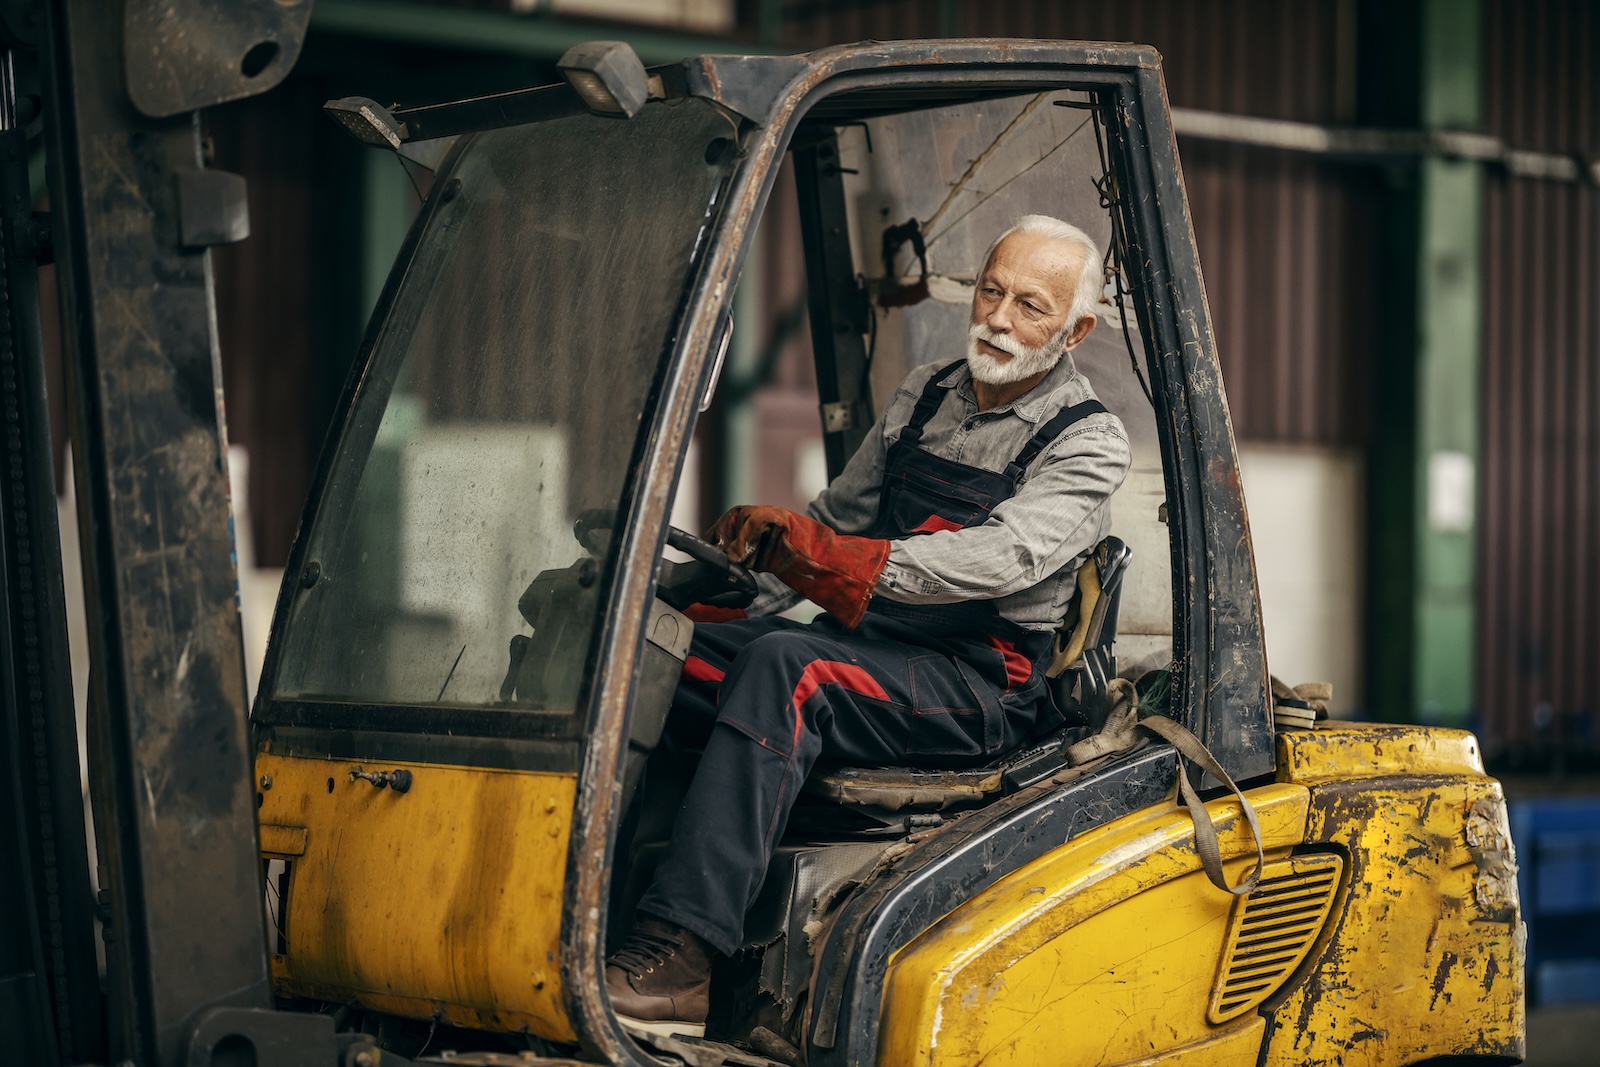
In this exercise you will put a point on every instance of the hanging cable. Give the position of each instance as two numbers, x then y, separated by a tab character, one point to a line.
1116	251
931	241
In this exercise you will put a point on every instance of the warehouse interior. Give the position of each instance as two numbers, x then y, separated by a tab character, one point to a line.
1397	209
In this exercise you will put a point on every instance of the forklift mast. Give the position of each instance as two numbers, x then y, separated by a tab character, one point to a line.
118	88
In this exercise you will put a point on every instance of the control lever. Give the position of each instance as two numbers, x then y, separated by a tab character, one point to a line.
398	780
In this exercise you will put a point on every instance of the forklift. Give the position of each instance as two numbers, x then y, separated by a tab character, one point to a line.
452	785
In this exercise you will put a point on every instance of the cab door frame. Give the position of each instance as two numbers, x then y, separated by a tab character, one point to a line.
1221	683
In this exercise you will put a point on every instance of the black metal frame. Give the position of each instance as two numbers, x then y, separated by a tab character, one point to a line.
49	992
838	302
170	775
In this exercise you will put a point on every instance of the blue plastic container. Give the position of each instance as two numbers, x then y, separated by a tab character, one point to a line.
1558	852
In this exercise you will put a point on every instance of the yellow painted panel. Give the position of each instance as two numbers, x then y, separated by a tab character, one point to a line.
1238	1045
1338	752
445	898
1426	957
1102	952
283	842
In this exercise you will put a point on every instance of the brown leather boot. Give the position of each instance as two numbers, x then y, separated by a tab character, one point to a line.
659	981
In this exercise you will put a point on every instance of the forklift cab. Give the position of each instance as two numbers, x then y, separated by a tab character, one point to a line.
478	639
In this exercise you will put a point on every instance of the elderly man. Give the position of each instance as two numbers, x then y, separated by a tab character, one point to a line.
944	555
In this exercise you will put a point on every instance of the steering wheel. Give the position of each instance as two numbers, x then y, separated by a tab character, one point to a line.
709	577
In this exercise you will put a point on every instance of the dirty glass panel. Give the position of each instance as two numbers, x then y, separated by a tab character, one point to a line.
502	404
963	175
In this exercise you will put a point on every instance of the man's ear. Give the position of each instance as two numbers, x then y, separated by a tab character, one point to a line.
1081	331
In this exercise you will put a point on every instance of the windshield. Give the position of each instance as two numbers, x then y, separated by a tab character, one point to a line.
502	402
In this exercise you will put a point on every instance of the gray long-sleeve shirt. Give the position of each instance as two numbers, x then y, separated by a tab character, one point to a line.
1025	557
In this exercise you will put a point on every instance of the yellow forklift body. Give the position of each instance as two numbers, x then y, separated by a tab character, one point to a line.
444	899
1385	844
1425	954
1069	956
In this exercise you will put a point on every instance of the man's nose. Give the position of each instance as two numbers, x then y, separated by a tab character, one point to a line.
999	317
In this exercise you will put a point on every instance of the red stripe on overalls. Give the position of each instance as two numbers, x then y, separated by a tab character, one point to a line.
822	672
698	670
936	524
1018	667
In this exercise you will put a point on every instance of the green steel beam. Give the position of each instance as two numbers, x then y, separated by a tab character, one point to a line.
1426	434
387	210
949	18
770	22
1449	404
534	36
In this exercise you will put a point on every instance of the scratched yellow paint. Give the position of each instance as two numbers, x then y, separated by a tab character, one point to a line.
1345	751
1425	958
446	898
1102	952
1106	950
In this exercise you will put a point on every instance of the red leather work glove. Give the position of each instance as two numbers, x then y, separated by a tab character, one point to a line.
837	572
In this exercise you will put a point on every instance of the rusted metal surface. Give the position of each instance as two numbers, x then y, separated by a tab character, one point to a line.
1426	897
1342	751
1538	570
184	55
1432	890
175	811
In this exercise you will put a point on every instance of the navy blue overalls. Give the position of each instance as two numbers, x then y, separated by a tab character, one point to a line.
925	685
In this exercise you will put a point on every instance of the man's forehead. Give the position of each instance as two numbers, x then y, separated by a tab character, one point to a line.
1034	258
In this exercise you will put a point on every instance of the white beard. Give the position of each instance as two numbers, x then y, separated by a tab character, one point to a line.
1025	361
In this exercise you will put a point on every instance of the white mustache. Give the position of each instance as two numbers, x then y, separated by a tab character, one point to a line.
1025	361
1009	345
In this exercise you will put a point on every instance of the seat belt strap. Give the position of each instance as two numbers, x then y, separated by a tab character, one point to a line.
1205	831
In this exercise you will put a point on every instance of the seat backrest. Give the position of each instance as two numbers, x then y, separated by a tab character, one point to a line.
1085	658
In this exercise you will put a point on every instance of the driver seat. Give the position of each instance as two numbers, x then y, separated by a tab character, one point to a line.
893	801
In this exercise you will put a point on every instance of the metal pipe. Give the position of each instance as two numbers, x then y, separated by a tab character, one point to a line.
1373	145
8	90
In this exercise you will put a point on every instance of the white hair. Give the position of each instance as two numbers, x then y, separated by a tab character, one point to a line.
1091	280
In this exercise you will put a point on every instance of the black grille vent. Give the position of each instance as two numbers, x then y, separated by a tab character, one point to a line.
1272	929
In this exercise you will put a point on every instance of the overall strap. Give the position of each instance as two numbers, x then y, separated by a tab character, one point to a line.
1048	433
932	396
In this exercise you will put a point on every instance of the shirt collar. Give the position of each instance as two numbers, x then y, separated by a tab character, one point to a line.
1030	406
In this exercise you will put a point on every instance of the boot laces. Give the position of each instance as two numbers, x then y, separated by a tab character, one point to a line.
644	951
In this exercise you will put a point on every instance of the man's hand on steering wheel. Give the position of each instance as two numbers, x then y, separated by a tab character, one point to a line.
709	587
709	579
837	572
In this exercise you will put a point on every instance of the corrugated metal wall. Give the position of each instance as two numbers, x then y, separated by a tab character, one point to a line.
1290	253
281	372
1539	573
1286	244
